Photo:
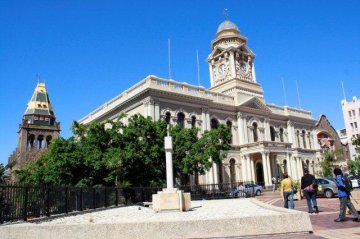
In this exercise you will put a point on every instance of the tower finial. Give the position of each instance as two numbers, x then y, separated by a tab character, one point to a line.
38	78
226	14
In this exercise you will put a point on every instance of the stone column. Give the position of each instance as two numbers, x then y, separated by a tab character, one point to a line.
252	169
291	134
157	111
203	118
243	168
248	168
241	132
246	133
232	64
265	168
267	129
268	167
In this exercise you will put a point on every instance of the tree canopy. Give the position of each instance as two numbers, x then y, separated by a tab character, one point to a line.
114	153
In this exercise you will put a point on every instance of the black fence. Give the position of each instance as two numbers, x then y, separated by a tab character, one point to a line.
28	202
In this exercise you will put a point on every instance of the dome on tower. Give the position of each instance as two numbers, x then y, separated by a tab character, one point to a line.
227	25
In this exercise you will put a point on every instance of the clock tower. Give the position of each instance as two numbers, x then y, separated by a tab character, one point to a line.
231	63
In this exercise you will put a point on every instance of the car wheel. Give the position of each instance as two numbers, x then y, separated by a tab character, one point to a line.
258	193
328	194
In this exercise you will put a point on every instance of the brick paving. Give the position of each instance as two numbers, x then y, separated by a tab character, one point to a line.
323	223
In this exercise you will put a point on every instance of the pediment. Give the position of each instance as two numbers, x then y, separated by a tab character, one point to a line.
255	104
216	51
244	48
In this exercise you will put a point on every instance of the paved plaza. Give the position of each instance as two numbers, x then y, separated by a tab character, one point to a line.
323	223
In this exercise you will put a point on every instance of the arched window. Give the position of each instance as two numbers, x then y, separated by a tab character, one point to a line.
281	135
181	119
220	172
272	133
229	125
40	141
232	171
214	123
48	140
167	117
303	135
31	141
255	133
309	136
193	121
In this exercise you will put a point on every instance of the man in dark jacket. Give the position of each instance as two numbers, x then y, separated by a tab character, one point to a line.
344	197
309	189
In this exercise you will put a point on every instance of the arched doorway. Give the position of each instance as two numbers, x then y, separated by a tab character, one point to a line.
259	174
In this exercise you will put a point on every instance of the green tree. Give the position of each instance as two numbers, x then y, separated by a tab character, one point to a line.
330	158
133	154
194	155
2	173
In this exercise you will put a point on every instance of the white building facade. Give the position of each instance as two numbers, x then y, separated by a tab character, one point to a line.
267	140
351	114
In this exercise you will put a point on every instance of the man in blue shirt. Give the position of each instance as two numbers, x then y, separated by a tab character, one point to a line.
344	197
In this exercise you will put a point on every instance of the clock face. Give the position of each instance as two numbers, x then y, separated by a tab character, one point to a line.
243	67
221	69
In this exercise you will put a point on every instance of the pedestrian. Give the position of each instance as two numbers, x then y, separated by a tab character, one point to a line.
344	197
308	185
273	180
286	191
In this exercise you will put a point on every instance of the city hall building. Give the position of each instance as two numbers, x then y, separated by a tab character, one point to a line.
267	139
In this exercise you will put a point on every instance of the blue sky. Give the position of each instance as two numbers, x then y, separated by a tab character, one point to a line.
90	51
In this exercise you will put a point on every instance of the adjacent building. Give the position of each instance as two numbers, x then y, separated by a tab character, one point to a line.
329	139
37	129
267	139
351	114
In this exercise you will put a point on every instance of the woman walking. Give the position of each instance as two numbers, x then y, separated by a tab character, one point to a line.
286	189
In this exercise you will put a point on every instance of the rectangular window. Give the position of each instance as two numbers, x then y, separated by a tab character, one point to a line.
352	126
353	113
350	114
46	118
41	118
355	124
35	117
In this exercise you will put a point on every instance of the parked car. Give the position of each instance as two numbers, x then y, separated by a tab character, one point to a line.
247	190
326	187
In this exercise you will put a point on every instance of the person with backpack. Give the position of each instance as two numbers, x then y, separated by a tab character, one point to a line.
308	185
344	197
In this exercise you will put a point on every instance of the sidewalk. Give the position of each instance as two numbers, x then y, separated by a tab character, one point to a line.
323	223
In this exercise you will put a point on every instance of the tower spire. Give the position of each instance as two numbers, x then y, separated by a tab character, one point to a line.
226	14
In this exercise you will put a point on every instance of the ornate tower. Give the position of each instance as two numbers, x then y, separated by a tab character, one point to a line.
37	129
231	63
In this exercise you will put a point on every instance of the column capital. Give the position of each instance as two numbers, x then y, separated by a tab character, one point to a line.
240	115
290	123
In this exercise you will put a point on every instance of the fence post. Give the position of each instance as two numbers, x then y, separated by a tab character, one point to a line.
25	203
66	200
48	202
116	196
105	197
81	199
94	198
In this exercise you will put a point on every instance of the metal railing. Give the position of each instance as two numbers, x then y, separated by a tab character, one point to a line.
18	202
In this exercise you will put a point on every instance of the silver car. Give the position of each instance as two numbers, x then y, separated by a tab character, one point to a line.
326	187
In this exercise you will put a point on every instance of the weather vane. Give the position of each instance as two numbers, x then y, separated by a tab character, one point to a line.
226	15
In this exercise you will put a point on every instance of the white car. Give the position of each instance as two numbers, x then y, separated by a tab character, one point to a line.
355	183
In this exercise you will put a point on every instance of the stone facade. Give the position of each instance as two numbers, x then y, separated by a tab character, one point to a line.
267	140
